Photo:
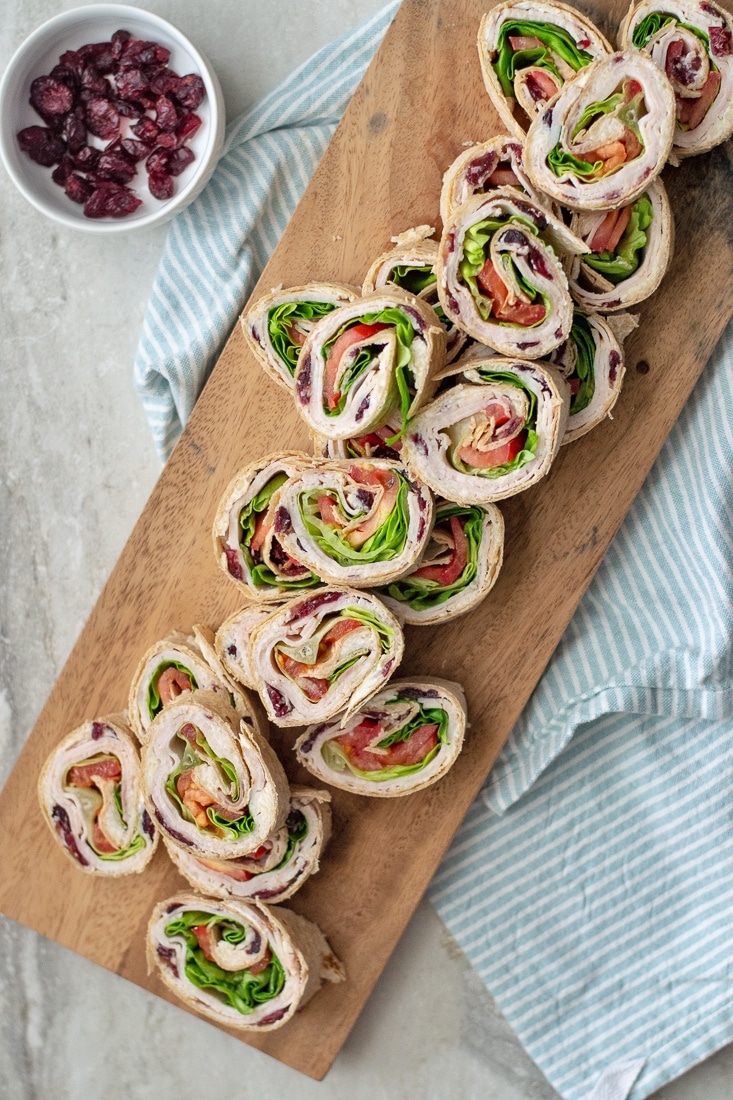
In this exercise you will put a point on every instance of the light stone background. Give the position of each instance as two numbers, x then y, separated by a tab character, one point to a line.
77	465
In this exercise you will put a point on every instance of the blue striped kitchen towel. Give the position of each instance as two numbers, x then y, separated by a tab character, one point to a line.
591	885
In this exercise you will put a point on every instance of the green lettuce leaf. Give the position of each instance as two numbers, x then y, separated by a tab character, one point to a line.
655	21
629	114
555	39
279	320
385	632
595	110
423	594
426	716
138	842
585	347
261	574
387	542
530	446
240	989
296	835
475	246
153	700
619	265
413	279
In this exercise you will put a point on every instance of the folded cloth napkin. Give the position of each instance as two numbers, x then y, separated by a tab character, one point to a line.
598	908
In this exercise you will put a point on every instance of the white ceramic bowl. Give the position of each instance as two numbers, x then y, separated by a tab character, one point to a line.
38	55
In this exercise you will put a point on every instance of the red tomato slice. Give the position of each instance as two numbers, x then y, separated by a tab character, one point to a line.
503	177
264	962
447	574
693	111
261	531
611	230
632	145
203	934
100	842
312	687
521	313
633	87
362	735
497	456
612	155
412	751
295	336
341	344
83	775
330	513
339	630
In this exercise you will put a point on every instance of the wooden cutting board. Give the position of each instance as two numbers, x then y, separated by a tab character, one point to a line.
420	102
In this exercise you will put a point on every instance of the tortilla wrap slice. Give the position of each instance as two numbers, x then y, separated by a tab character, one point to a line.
324	654
275	326
493	435
234	642
552	42
90	791
500	276
498	162
592	363
246	542
605	136
246	966
174	665
458	567
212	783
404	739
367	360
630	252
359	522
284	861
410	265
692	43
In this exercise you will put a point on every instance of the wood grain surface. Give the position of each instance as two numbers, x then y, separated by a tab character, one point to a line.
420	102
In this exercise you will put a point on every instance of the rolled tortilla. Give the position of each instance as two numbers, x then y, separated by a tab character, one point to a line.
630	252
323	654
212	782
90	790
592	363
492	436
404	739
367	360
692	43
606	136
278	869
241	964
499	277
174	665
498	162
360	522
384	442
458	568
277	324
551	43
246	542
410	265
234	642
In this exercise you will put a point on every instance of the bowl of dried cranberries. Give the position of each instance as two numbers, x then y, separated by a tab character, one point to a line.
110	119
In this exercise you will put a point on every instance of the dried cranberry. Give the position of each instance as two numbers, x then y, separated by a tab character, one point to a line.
119	41
102	118
50	97
66	75
166	114
136	150
86	159
190	91
92	79
188	126
100	55
146	130
161	186
157	162
167	141
129	110
132	83
115	167
74	60
163	80
109	200
78	189
63	170
41	145
75	130
136	53
179	160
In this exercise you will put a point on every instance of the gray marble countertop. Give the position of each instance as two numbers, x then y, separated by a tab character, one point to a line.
77	465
